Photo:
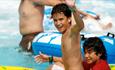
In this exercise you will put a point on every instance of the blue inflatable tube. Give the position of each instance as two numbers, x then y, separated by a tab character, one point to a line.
109	42
50	44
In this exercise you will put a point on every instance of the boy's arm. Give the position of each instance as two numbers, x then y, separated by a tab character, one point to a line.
78	21
76	16
57	59
48	2
96	17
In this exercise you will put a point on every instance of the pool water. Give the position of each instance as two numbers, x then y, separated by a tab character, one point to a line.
11	54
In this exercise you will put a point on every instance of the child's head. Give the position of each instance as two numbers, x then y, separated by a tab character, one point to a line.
61	15
61	8
94	49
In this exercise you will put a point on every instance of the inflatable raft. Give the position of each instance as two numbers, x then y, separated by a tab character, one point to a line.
50	44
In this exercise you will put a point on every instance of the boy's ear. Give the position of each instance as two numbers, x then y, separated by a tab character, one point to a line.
99	54
69	20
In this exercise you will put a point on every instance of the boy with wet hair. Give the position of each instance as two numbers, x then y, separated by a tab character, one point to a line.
95	54
62	15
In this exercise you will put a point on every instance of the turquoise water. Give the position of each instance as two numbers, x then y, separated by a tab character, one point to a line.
10	53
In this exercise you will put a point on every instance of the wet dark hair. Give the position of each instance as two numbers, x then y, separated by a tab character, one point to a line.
97	45
61	8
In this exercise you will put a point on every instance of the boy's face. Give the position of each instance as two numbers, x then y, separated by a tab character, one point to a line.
91	56
61	22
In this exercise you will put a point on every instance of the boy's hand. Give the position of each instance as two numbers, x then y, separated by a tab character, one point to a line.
41	58
70	3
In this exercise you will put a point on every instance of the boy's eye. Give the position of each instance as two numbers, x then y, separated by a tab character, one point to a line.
90	52
55	20
61	19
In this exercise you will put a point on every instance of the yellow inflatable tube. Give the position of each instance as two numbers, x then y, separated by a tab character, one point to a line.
14	68
112	66
24	68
